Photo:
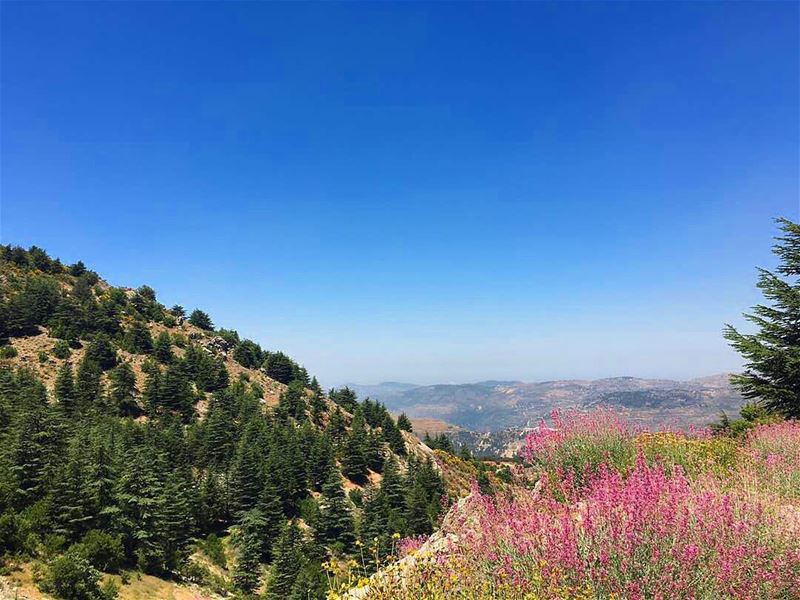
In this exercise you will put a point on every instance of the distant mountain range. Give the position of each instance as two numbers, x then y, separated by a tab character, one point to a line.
496	405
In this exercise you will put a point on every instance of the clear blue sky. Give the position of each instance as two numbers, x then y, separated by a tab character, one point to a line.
421	192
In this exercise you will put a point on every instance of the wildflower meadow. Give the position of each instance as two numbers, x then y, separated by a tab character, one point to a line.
614	511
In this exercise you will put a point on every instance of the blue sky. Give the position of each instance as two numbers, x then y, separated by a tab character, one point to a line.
420	192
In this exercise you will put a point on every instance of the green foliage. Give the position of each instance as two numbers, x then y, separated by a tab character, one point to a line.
137	338
345	397
772	370
440	441
103	550
353	456
8	352
162	349
334	525
200	319
249	550
61	349
248	354
122	390
279	367
213	548
404	423
287	562
72	577
101	352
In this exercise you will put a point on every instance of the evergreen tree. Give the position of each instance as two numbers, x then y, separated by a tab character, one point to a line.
286	564
73	502
65	389
138	514
293	400
354	463
404	423
248	354
248	543
137	339
87	384
219	431
335	522
322	461
175	392
122	391
176	519
200	319
271	507
162	349
336	426
279	367
101	352
345	397
393	436
33	451
211	507
247	473
772	371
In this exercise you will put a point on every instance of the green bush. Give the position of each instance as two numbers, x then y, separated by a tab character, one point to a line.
61	349
72	577
8	352
43	357
103	550
215	551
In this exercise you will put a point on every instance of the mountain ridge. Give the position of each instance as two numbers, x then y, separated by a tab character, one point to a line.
493	405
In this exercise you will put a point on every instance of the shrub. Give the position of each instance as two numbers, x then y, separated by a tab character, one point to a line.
42	356
215	551
103	550
578	443
61	349
8	352
72	577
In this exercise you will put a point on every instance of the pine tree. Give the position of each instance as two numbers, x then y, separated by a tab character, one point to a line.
270	505
772	372
334	524
336	426
212	506
175	392
248	544
177	523
345	397
65	389
73	502
293	400
404	423
286	564
322	461
32	453
219	431
162	348
393	436
101	352
247	474
200	319
122	391
138	514
87	384
279	367
354	463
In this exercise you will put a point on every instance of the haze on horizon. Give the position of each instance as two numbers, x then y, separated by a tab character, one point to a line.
415	192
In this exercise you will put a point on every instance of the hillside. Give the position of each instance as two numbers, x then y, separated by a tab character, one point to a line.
147	453
497	405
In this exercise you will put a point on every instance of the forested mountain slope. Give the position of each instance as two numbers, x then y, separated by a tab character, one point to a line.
137	441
